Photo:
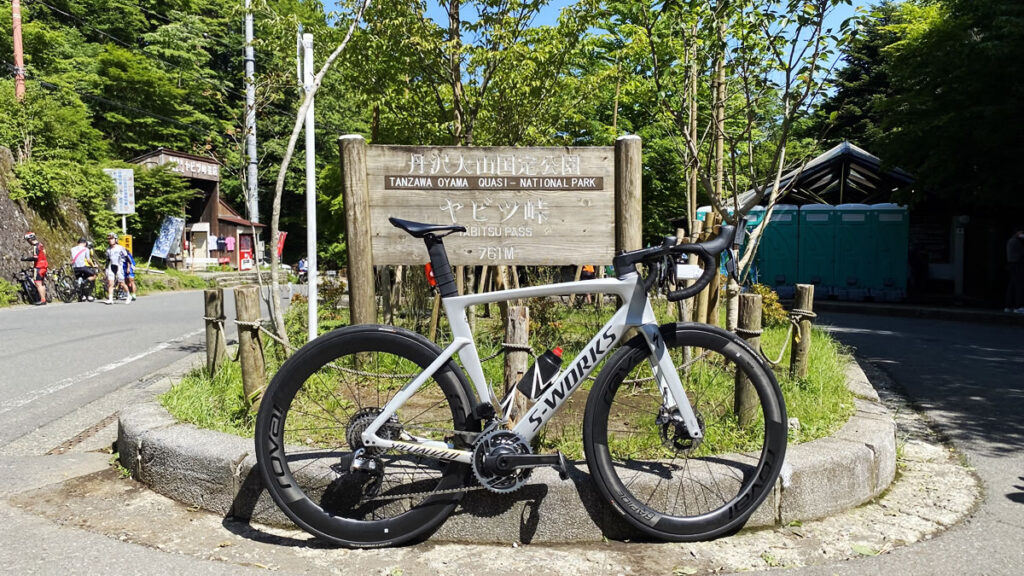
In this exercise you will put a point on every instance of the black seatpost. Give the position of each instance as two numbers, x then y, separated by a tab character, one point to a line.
442	269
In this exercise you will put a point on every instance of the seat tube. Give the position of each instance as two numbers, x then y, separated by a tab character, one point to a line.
442	269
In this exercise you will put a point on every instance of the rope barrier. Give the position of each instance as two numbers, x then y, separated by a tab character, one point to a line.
796	316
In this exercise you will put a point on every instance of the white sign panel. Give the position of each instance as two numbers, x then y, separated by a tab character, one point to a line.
124	193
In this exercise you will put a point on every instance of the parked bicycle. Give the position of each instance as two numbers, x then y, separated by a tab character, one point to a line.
27	291
370	435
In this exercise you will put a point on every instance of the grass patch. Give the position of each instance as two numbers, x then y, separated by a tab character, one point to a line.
213	403
168	281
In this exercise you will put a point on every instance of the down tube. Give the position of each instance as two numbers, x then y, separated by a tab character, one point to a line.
581	367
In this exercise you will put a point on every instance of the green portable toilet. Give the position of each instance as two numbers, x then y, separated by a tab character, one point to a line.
855	252
702	213
817	252
892	240
776	262
751	221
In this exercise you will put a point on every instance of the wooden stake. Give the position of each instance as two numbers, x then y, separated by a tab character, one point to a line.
517	331
216	346
250	345
745	397
801	349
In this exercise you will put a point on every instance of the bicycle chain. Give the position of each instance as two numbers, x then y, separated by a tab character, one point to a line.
461	490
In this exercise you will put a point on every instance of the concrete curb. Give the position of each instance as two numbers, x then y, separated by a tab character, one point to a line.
216	472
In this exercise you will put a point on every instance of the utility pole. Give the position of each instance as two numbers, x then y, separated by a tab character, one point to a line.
251	177
310	73
19	54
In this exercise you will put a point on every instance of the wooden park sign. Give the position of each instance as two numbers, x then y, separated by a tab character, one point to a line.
525	206
520	206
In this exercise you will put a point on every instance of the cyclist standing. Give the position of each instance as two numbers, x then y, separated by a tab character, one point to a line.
129	273
83	266
116	255
38	258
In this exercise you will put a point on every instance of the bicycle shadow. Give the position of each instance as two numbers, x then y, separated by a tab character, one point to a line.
1017	496
537	506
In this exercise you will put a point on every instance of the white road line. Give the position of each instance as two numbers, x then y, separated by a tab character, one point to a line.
32	397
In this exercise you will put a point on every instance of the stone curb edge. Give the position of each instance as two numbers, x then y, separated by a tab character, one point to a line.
215	471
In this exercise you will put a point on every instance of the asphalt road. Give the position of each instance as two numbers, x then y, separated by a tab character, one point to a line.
968	379
56	358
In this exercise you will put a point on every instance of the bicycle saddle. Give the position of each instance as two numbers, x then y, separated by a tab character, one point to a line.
419	229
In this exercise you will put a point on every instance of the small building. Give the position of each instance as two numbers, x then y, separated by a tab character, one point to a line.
215	233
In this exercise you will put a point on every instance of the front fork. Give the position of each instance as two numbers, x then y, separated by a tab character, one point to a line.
673	396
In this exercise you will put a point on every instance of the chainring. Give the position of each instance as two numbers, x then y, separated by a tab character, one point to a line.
487	449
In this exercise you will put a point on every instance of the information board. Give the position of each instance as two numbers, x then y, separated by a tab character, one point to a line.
124	193
526	206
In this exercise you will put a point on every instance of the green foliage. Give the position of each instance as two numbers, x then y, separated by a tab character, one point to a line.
933	87
772	312
42	184
8	293
47	126
215	403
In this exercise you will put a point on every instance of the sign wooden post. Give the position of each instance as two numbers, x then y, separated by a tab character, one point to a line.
362	304
628	193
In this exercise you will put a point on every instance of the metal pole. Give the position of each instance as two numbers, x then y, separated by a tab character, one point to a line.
251	177
19	54
307	45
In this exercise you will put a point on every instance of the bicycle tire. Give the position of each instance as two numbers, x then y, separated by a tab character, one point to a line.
333	381
65	289
703	490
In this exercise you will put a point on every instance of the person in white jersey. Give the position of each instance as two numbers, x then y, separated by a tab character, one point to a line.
83	267
116	256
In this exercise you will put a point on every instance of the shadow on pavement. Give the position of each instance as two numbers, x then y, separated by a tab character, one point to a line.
968	375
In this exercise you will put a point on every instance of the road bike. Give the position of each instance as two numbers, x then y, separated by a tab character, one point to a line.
27	290
70	287
370	435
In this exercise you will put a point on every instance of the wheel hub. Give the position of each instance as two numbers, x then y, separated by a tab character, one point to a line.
675	435
361	421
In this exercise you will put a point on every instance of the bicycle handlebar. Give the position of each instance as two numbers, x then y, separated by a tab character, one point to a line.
705	251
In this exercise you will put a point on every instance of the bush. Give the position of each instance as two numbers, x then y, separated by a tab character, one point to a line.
772	312
8	293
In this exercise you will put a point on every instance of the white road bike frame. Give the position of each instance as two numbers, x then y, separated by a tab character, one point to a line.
635	312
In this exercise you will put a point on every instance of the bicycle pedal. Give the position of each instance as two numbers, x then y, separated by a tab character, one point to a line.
563	467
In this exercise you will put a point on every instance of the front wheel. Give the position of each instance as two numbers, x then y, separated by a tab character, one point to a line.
667	484
65	289
309	447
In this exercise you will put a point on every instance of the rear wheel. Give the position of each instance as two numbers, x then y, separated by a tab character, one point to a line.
667	484
309	446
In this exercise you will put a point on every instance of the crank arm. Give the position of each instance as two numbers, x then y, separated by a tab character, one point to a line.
509	462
